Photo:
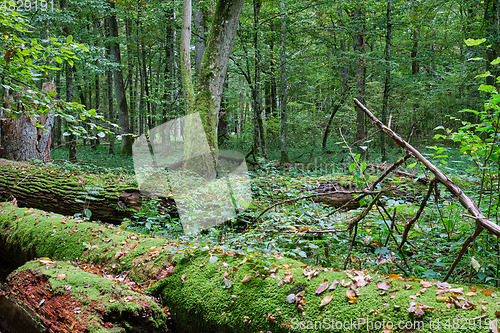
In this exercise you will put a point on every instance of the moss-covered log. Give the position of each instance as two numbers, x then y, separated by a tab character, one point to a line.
215	289
109	198
55	296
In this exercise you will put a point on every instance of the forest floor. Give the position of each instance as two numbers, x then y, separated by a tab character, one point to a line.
289	237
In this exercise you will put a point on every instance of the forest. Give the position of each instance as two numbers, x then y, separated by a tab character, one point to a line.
249	166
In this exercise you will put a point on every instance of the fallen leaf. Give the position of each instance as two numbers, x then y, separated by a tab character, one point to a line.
45	261
351	296
246	278
183	277
334	285
382	285
60	277
322	287
326	300
488	291
426	284
493	326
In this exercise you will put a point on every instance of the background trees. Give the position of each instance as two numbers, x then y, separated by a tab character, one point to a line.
292	74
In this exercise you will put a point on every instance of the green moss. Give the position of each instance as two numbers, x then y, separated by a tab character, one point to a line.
30	233
202	301
105	299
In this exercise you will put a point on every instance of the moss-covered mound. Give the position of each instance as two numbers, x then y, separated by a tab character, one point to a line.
67	299
215	289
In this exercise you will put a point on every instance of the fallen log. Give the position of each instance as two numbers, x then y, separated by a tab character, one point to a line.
68	193
55	296
213	288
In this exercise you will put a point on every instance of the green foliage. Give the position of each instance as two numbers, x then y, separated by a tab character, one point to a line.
154	219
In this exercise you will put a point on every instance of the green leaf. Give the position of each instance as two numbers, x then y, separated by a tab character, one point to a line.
88	213
101	134
302	254
69	39
487	88
496	61
363	166
58	60
474	42
351	167
411	166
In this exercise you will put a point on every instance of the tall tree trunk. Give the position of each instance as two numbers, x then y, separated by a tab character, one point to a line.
130	74
70	98
257	103
121	99
387	83
57	130
360	49
284	89
415	67
169	66
214	65
187	82
199	34
109	96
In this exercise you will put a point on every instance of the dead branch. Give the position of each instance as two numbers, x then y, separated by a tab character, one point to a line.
415	217
364	191
465	200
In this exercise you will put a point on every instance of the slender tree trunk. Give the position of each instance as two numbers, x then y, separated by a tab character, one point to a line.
70	98
257	103
168	97
130	74
415	67
187	82
121	98
57	131
387	83
360	49
284	89
109	96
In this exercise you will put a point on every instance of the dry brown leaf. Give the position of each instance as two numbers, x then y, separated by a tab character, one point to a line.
351	296
246	278
60	277
382	285
334	285
326	300
488	291
471	294
426	284
322	287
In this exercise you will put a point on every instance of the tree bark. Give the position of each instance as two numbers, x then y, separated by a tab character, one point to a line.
387	83
214	65
199	34
284	89
360	49
21	140
121	99
50	190
187	82
259	136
